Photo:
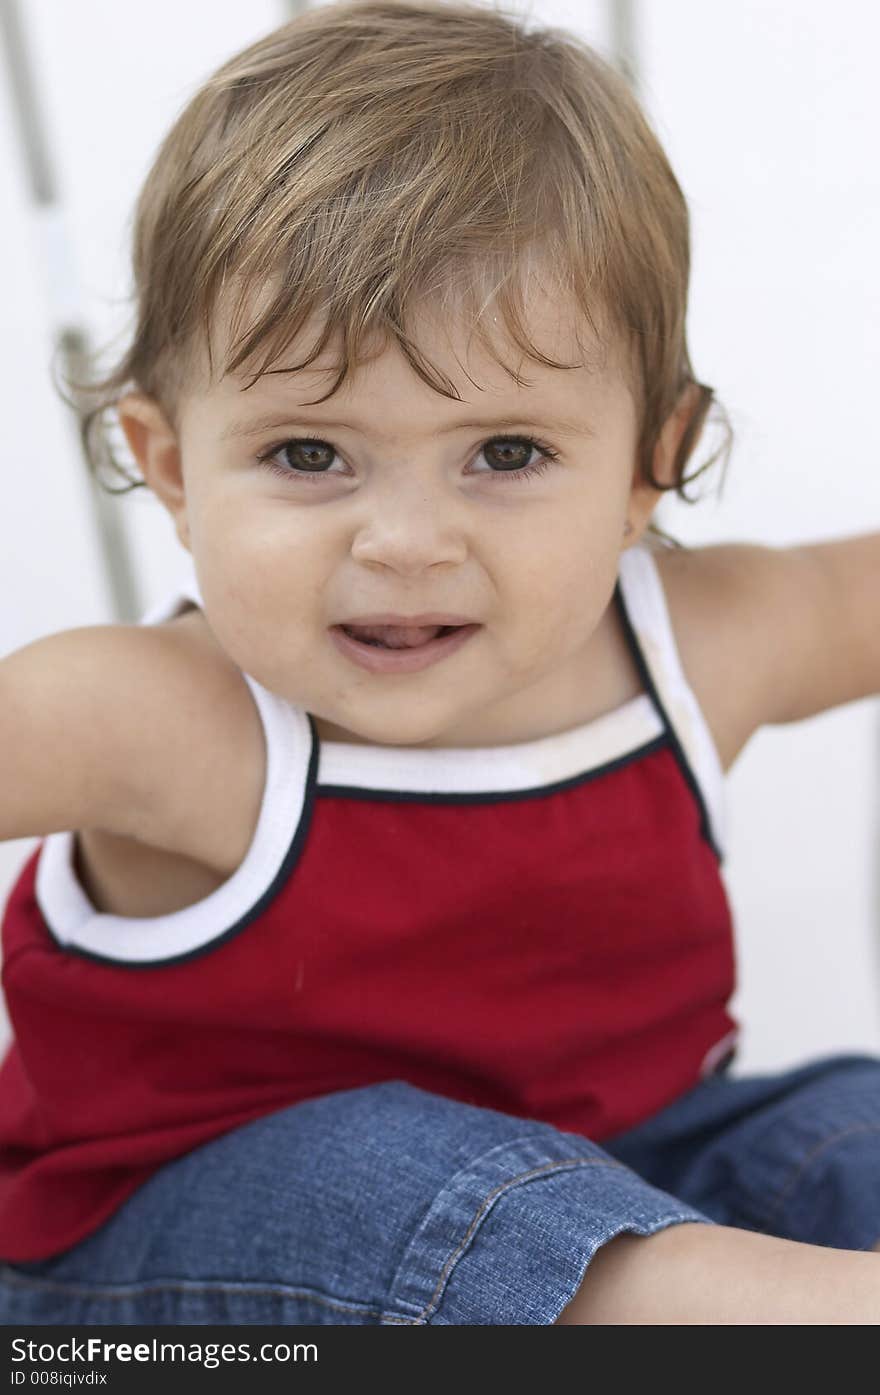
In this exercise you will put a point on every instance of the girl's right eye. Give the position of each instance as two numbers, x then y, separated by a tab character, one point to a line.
312	447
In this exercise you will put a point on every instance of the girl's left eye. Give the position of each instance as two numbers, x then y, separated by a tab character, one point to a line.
309	466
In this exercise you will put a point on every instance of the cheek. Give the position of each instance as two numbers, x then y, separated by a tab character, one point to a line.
262	605
559	592
259	549
562	566
245	529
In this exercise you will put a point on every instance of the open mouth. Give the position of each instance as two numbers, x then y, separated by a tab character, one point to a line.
398	636
400	648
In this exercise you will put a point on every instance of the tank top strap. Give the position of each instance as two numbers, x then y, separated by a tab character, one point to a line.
642	604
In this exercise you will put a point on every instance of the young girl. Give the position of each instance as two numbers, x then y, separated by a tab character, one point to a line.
374	963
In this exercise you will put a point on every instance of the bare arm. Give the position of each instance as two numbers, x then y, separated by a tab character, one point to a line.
129	730
68	740
837	604
772	635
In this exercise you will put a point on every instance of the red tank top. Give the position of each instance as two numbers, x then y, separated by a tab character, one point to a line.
540	928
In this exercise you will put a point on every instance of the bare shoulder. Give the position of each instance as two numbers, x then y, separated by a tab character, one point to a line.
205	753
135	737
730	605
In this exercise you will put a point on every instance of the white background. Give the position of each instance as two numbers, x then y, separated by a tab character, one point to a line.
769	110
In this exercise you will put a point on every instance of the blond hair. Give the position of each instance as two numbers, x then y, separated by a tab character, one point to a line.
370	154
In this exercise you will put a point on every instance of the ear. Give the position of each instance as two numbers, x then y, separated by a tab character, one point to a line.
153	443
644	498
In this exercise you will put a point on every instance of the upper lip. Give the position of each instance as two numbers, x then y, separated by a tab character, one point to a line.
431	617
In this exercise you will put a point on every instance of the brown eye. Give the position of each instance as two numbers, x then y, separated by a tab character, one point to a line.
508	453
314	456
305	458
509	458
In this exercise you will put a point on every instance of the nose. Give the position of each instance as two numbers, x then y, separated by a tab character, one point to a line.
409	529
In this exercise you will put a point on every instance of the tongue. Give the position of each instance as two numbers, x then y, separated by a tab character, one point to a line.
395	636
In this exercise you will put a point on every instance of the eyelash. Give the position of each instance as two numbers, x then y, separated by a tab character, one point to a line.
266	459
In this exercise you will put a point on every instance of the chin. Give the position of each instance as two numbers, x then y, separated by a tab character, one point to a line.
399	736
396	733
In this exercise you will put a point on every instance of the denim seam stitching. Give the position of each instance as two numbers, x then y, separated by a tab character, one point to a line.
777	1199
180	1286
485	1206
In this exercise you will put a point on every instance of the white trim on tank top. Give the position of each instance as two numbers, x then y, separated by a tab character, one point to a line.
73	920
523	766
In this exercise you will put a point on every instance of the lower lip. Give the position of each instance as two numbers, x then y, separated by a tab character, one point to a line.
377	660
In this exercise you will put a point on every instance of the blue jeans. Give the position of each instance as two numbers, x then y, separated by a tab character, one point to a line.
389	1205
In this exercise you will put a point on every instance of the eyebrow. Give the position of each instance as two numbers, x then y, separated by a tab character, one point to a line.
548	422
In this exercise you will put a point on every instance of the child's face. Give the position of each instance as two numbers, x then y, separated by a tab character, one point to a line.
410	517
